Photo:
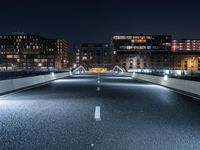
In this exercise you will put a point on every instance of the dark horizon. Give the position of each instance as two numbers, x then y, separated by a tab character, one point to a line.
97	21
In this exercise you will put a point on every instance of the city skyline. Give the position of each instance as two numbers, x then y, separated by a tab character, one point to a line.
97	21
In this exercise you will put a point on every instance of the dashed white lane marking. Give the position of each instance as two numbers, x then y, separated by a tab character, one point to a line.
98	81
97	114
98	89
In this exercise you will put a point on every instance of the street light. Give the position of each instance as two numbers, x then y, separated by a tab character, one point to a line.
133	75
53	74
39	64
74	65
165	77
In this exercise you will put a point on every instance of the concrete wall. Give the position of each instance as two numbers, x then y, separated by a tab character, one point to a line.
178	84
16	84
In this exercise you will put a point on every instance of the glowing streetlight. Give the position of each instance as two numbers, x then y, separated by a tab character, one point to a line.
53	74
165	77
39	64
74	65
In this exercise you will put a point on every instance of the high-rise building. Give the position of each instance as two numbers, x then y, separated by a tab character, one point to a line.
61	53
21	51
94	55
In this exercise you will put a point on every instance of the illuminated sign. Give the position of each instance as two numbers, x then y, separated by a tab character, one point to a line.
98	70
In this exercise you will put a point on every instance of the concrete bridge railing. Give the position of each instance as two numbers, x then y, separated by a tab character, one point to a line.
20	83
188	86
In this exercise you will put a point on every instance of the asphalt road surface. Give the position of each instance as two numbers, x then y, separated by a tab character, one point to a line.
99	112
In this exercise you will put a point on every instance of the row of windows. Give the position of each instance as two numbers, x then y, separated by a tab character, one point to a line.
141	37
24	63
18	37
26	60
26	56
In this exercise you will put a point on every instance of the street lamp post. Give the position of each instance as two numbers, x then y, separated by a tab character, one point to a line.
40	66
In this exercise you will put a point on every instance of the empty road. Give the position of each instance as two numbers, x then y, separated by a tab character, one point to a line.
99	112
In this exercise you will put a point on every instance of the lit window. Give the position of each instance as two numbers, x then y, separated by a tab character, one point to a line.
36	60
9	56
148	47
84	58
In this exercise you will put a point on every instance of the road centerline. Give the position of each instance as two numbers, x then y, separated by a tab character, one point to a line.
98	89
97	114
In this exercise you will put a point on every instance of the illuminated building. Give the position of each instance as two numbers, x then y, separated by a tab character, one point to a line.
156	52
21	51
146	61
93	55
61	53
186	45
186	60
141	42
187	53
142	51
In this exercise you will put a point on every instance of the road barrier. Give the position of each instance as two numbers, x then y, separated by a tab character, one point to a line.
20	83
177	84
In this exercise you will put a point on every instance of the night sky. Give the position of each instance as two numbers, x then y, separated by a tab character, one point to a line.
97	20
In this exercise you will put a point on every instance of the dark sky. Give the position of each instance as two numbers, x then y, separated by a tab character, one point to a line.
97	20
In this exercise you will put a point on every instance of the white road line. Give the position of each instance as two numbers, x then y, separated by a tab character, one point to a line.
97	114
98	89
98	81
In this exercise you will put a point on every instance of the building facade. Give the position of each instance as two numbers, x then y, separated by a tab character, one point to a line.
156	52
146	61
142	51
187	61
93	55
61	53
141	42
186	45
21	51
187	54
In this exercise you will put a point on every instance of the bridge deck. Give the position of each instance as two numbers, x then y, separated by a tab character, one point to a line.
94	111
